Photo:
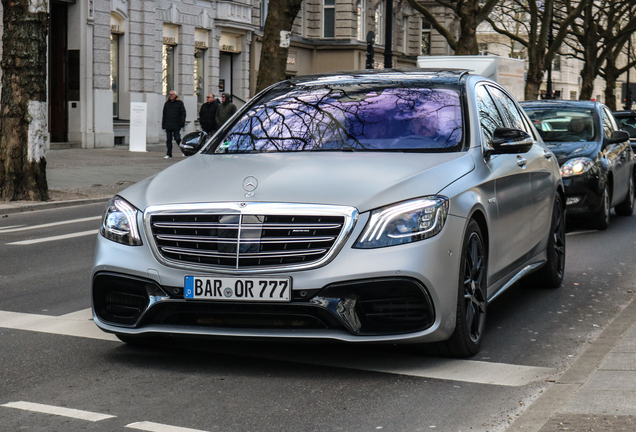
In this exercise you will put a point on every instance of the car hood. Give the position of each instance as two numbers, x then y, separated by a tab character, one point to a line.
362	180
565	151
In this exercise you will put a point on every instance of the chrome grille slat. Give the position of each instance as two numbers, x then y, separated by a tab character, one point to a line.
212	239
245	241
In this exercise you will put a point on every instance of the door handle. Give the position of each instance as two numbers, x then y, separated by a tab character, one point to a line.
521	161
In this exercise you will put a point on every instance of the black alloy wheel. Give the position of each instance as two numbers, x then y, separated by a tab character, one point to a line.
626	208
551	274
470	321
601	220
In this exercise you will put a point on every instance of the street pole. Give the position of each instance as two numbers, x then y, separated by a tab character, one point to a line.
628	90
388	52
548	92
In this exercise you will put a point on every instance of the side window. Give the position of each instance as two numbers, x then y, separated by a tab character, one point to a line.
489	117
609	125
508	110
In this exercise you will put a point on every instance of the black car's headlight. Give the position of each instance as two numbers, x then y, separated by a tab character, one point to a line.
405	222
119	223
576	166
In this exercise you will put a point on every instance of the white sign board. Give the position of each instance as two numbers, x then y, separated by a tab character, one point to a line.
138	120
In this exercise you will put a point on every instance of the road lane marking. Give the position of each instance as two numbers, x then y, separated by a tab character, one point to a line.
59	411
75	324
17	228
54	238
10	227
158	427
80	324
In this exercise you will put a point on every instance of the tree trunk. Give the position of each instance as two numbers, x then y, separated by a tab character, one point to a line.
23	115
534	78
273	63
587	82
611	75
467	40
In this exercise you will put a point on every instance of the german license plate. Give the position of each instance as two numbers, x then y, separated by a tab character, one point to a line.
238	289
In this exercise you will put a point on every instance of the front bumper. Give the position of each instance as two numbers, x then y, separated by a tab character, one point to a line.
583	194
399	293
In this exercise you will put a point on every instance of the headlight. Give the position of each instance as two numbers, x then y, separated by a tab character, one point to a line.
576	166
405	222
119	223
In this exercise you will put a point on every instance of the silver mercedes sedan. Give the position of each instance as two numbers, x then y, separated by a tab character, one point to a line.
384	207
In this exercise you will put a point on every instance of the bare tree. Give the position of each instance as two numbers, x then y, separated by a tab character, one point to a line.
528	23
596	34
273	62
23	118
470	13
610	72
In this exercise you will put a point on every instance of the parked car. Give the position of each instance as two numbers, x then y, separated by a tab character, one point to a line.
627	122
597	162
385	207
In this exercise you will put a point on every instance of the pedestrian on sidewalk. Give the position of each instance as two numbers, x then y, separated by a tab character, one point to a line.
207	114
225	110
173	120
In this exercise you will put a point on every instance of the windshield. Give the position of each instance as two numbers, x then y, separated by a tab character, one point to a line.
567	124
628	124
348	118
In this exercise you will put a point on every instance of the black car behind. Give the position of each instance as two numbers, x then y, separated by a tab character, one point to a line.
596	159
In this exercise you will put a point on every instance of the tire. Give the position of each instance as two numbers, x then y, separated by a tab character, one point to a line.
601	220
551	274
626	208
470	321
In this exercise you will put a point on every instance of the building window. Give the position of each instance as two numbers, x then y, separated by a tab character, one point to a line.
362	20
379	24
114	72
199	75
329	18
483	48
405	35
556	63
167	68
264	9
425	27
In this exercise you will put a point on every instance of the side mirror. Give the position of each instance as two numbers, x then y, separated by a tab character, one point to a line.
511	141
618	137
192	142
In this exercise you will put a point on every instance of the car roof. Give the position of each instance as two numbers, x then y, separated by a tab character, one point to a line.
561	103
631	113
432	76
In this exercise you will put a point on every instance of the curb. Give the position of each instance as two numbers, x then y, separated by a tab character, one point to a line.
559	394
34	206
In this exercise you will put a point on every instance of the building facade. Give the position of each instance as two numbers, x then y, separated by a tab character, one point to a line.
105	54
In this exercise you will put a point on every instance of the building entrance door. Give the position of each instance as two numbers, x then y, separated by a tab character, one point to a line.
58	60
226	73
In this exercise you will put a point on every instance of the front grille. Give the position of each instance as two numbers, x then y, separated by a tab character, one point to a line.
244	241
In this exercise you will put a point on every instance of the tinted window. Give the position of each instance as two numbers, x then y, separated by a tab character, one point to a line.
609	125
489	117
509	109
349	117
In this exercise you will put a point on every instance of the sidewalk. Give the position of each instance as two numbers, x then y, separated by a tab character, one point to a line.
82	176
597	393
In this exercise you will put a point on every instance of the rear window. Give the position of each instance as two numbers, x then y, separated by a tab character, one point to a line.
348	118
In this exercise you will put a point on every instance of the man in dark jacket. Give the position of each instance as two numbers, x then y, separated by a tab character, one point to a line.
173	120
207	115
225	110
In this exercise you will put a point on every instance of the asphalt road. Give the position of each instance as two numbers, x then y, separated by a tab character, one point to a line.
59	373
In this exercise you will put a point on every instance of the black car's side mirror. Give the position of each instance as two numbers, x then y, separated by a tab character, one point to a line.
510	141
618	137
192	142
